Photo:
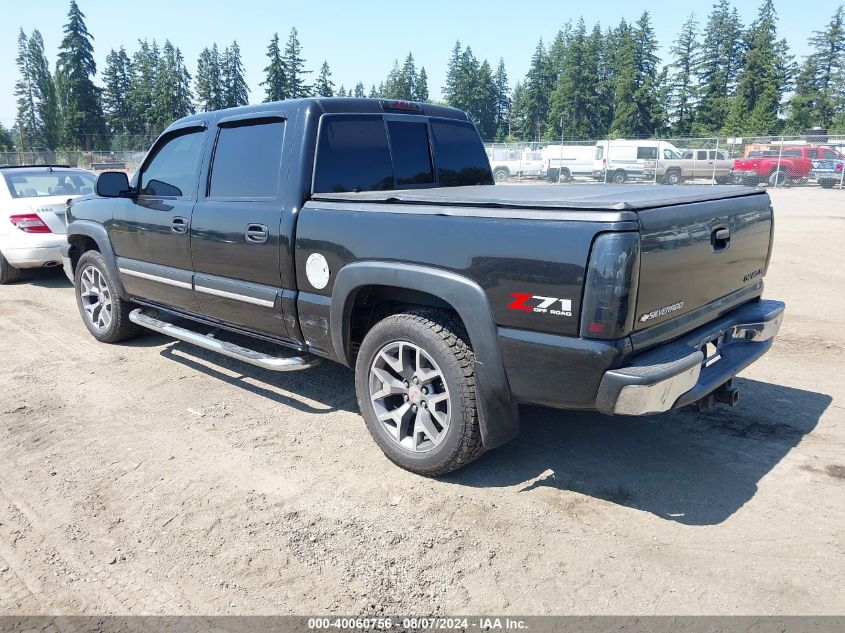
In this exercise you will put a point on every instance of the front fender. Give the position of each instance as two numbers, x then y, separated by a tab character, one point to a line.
498	414
97	233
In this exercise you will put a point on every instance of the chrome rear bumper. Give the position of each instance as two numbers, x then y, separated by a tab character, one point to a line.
678	373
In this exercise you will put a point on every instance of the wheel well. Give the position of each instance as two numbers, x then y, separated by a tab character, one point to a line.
371	304
80	244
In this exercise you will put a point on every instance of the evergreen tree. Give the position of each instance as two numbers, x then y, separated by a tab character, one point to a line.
275	84
764	78
803	107
682	87
359	90
28	121
235	90
722	55
537	92
421	86
6	144
518	124
209	80
485	102
573	104
171	93
45	90
373	92
341	92
452	91
295	72
144	67
503	101
391	88
624	83
408	79
324	86
829	58
117	83
84	125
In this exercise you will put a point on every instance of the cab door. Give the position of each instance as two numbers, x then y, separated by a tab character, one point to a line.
150	233
236	235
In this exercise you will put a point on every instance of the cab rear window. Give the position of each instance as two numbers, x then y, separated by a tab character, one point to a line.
367	153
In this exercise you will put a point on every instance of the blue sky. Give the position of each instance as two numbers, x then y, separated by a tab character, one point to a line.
359	38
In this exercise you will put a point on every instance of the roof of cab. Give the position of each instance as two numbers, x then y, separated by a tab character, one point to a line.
320	105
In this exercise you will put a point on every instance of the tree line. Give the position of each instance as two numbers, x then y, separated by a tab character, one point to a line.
721	78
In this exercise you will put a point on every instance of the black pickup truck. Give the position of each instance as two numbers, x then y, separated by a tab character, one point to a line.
370	233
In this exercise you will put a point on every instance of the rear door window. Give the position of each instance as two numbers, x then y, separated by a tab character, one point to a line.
647	153
247	161
411	153
353	155
459	154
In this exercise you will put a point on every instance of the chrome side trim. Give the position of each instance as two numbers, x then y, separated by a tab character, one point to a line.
161	280
253	357
237	297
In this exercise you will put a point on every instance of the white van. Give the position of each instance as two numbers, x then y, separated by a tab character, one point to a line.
623	160
513	161
564	162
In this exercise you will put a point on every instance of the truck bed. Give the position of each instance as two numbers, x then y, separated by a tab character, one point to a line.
593	197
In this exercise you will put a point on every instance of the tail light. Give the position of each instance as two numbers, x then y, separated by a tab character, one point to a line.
611	286
30	223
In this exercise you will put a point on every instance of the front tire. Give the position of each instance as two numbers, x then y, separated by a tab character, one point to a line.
415	381
619	177
8	273
104	313
501	174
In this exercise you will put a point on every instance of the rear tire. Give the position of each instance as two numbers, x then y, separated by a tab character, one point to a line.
619	176
8	273
723	180
415	381
565	176
673	177
827	184
104	313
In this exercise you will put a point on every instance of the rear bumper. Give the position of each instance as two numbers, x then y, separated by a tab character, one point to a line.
677	373
35	255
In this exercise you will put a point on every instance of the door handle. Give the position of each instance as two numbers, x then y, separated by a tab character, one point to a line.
256	234
179	225
720	238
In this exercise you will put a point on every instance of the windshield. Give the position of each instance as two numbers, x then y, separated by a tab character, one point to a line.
42	183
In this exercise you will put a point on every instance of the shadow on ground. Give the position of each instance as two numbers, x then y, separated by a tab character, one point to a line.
693	468
330	384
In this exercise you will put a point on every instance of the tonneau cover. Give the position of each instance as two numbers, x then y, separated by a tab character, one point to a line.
609	197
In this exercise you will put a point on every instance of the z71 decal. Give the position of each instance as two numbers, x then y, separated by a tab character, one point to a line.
541	305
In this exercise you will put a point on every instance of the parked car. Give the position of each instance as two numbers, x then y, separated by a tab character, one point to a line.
674	168
33	200
561	163
365	232
509	161
771	166
620	160
826	163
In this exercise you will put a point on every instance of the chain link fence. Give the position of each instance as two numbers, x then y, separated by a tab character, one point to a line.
96	161
764	161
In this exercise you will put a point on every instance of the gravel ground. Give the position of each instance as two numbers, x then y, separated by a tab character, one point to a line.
157	478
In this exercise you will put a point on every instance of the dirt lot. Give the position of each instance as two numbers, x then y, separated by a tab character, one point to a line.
156	478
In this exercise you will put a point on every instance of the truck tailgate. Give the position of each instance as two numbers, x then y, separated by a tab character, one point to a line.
693	254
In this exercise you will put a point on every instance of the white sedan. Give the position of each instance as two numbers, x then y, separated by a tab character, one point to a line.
33	201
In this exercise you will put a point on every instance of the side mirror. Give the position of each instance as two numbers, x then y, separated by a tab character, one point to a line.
112	184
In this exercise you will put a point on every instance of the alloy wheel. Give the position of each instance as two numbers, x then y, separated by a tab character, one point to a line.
409	395
96	298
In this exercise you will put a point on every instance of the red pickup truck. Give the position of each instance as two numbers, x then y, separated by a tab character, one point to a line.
773	167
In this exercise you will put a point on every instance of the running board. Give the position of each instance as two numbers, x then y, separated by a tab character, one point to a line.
253	357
